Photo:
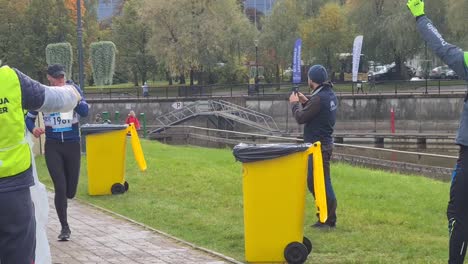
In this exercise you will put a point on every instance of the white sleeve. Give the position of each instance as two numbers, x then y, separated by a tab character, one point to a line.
60	99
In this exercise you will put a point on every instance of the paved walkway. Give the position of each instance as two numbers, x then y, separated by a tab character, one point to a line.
98	237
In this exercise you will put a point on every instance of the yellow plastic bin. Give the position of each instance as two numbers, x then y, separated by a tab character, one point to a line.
105	155
274	188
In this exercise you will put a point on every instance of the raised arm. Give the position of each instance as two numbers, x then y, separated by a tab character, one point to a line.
452	55
43	98
83	107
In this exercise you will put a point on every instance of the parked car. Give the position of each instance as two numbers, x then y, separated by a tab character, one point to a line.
377	70
416	79
452	75
440	72
389	72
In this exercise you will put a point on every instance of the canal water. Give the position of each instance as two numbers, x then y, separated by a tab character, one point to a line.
446	151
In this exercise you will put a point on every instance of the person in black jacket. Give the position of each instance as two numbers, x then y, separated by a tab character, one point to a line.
318	114
457	60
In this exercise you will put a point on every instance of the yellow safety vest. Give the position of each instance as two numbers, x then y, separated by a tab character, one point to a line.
466	58
15	156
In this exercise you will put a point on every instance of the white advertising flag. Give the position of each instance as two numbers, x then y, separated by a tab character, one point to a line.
356	56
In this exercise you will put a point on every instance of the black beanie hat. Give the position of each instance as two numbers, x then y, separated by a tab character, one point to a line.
318	74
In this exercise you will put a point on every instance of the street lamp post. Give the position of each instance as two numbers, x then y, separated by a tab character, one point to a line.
256	65
427	64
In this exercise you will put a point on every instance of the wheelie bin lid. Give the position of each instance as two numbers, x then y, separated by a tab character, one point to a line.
258	152
99	128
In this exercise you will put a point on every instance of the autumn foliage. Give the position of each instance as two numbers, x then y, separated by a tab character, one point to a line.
71	5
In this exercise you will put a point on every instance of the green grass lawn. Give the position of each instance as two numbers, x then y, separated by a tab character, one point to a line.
196	194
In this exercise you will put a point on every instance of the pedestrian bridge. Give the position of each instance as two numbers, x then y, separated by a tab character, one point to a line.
225	113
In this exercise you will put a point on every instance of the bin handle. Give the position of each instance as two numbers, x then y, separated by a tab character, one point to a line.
136	146
312	148
319	182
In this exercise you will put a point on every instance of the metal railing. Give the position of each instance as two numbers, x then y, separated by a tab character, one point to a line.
178	115
218	108
282	89
296	140
413	162
245	113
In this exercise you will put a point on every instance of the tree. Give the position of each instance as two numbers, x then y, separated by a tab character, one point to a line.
311	8
457	21
279	34
234	40
167	32
326	36
12	32
71	5
132	37
91	33
388	36
45	22
192	35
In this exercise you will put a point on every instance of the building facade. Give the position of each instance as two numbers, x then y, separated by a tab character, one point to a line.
256	10
263	7
108	8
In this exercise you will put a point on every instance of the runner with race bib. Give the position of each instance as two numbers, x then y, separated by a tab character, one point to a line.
62	147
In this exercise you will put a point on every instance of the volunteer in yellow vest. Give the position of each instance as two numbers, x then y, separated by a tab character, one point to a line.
17	223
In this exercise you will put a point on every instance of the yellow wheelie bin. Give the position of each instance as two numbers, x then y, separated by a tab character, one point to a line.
274	192
105	155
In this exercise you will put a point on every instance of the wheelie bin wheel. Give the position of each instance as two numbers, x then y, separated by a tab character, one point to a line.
295	253
117	188
126	185
308	244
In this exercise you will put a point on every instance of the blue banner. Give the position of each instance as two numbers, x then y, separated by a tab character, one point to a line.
296	67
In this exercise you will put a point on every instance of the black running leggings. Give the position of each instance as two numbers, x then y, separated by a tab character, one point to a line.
457	210
63	160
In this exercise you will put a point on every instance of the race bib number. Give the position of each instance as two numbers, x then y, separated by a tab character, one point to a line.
60	124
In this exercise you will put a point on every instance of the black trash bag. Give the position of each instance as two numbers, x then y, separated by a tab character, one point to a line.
258	152
88	129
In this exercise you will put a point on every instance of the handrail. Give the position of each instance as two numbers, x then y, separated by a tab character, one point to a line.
230	90
260	120
336	144
247	113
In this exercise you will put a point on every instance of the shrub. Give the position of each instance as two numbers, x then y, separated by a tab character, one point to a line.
60	53
103	62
